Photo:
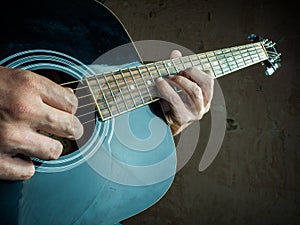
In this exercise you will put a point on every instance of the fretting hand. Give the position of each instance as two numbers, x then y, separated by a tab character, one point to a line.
194	100
30	103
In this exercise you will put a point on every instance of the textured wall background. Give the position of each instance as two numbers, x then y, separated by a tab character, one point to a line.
255	177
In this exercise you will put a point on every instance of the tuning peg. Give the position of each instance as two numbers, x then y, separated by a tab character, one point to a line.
270	70
254	37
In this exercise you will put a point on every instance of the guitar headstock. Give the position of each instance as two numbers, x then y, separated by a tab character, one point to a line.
273	61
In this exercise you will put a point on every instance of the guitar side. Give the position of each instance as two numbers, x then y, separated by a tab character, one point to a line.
125	165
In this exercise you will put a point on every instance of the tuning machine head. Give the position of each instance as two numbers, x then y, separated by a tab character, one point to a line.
273	61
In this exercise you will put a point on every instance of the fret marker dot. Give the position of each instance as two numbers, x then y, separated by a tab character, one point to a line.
149	82
132	87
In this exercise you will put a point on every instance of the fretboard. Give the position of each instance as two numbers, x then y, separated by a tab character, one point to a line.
120	91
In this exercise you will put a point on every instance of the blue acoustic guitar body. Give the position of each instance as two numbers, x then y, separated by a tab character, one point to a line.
122	165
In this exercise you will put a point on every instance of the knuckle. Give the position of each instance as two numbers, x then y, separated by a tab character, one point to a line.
197	91
73	102
175	99
6	137
201	114
19	109
28	173
178	79
51	118
55	150
28	79
194	70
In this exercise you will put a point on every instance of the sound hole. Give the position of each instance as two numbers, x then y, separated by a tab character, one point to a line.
85	112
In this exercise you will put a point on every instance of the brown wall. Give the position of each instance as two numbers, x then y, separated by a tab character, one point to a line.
255	177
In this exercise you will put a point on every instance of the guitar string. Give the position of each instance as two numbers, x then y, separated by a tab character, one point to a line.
249	55
139	78
243	47
140	75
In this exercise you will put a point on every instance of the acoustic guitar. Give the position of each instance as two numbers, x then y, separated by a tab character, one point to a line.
126	160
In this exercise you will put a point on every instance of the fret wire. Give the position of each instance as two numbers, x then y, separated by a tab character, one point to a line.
112	94
234	59
150	73
222	72
155	64
195	60
226	59
200	62
166	68
257	53
121	92
241	55
176	69
190	60
165	71
182	63
250	55
132	77
126	84
103	95
146	85
210	63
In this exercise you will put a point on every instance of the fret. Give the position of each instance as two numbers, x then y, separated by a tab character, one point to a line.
120	90
145	83
148	69
191	61
226	62
155	64
205	61
187	62
239	58
136	85
168	72
111	105
195	60
127	86
210	65
246	56
220	71
231	58
106	109
176	69
220	66
164	72
200	62
250	55
171	69
182	63
257	53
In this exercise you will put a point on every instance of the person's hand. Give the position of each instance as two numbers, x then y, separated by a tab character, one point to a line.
194	100
30	103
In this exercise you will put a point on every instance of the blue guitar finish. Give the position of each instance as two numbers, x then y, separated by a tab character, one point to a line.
126	164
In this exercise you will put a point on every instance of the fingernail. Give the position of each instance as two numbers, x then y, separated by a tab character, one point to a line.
159	79
70	89
78	130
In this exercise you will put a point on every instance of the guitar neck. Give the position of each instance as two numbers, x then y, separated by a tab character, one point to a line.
126	89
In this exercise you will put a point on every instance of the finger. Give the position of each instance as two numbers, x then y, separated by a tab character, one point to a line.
169	94
58	96
32	144
59	123
175	54
14	168
193	91
204	79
